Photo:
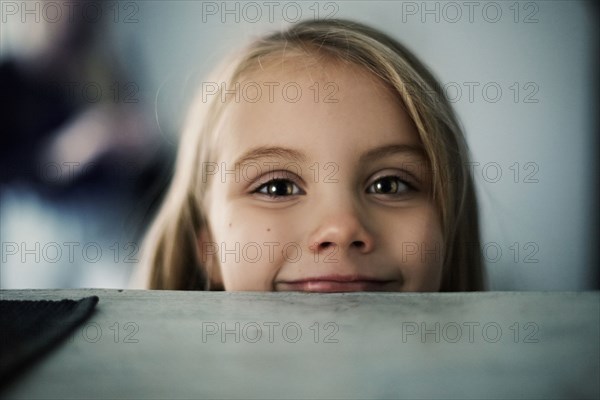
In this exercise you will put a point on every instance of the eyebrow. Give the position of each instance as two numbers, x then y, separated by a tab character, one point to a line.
262	152
392	149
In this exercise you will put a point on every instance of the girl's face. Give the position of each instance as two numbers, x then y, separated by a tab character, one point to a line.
321	185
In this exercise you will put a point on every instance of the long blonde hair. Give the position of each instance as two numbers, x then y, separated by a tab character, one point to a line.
171	258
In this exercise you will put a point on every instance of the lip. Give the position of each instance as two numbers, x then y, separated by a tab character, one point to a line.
335	284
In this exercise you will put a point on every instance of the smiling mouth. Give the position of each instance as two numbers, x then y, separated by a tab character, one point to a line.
335	284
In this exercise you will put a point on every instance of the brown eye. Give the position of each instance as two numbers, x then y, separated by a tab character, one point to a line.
279	188
388	185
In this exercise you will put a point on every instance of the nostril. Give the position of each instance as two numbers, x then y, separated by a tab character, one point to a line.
325	245
358	244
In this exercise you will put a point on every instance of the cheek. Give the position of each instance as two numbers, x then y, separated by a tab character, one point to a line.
251	243
418	249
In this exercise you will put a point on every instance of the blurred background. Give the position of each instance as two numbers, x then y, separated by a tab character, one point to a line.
93	94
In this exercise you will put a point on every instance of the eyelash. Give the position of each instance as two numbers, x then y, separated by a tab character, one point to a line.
398	180
265	186
263	189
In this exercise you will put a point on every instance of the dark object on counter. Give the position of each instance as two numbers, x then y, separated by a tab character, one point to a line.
30	328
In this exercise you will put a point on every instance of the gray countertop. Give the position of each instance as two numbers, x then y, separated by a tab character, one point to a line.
167	344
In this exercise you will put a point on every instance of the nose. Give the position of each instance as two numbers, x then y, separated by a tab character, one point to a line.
342	229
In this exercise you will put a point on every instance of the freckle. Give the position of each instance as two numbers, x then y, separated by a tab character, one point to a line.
230	224
268	229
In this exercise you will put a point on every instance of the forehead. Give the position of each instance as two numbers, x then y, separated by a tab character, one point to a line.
309	103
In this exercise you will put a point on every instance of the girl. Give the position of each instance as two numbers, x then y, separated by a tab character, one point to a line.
325	158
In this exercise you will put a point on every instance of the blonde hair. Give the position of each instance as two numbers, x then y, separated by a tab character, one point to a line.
171	258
